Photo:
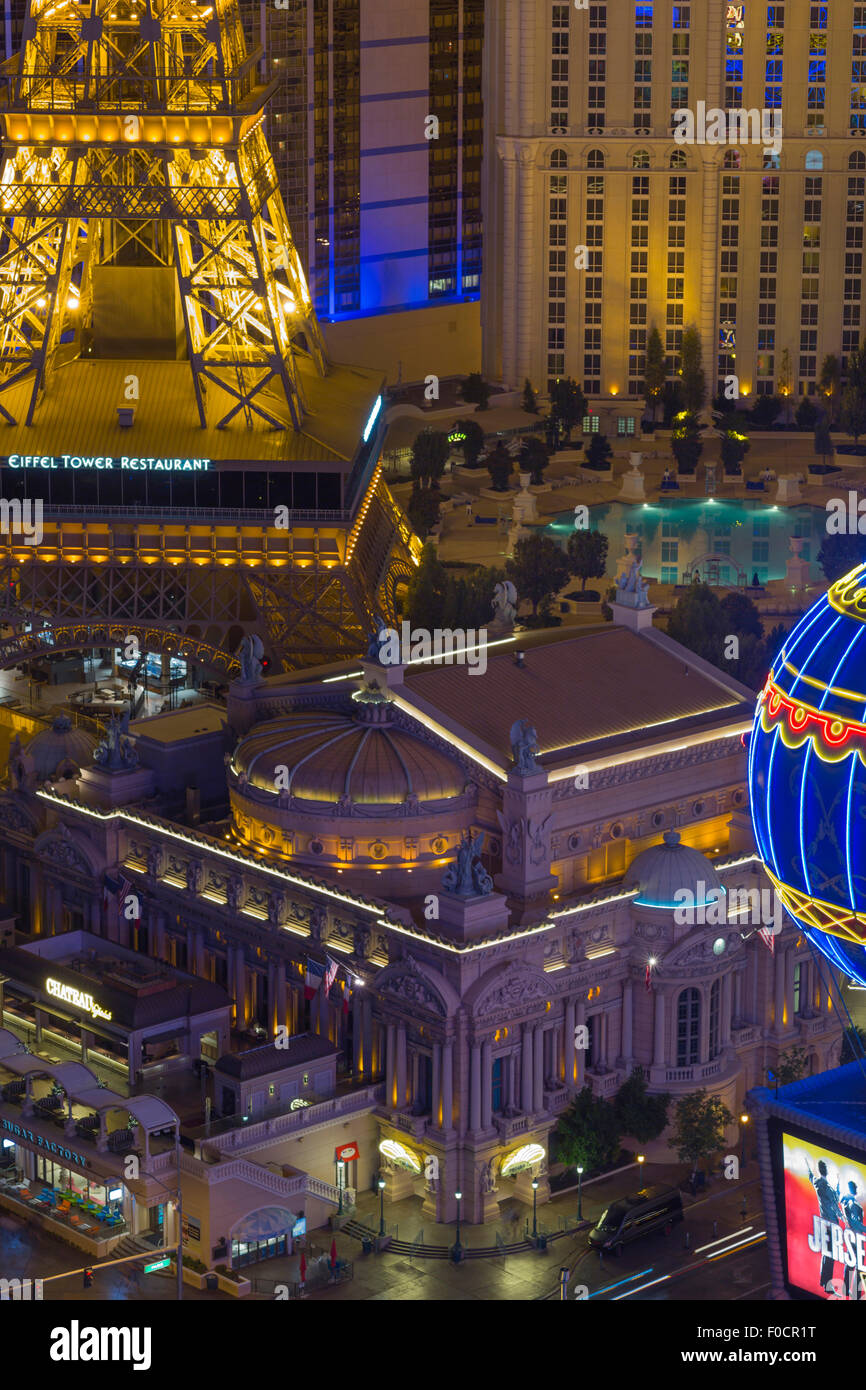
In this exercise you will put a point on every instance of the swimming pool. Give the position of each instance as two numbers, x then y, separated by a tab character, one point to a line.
747	536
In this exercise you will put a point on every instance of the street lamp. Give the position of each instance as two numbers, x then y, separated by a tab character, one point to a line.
535	1208
641	1158
381	1206
341	1164
579	1193
744	1120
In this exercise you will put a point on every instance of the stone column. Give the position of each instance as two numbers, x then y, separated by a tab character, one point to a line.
241	988
779	993
447	1085
528	298
738	996
580	1052
704	1036
475	1088
659	1048
627	1020
709	256
725	1020
789	986
39	1019
526	1094
538	1070
281	994
369	1064
357	1034
401	1066
486	1087
568	1045
390	1064
436	1098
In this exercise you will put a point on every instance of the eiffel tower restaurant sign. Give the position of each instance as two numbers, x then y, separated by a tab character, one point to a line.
141	465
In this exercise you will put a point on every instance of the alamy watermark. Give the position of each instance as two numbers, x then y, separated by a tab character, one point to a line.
709	906
19	518
465	646
715	126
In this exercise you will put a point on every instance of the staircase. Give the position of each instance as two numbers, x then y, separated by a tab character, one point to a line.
131	1245
443	1252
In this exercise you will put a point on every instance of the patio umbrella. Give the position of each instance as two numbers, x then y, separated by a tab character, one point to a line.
334	1253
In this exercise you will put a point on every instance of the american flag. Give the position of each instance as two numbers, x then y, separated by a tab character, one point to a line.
330	974
115	888
768	937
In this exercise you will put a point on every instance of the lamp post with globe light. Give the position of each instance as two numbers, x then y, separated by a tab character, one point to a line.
457	1248
381	1206
744	1120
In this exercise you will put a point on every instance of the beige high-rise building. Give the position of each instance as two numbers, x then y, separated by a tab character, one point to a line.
599	225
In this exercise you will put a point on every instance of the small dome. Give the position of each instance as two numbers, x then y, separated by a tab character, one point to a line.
60	751
662	870
329	755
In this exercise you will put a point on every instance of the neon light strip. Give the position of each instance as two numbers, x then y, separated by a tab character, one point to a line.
769	784
825	637
851	897
820	685
801	818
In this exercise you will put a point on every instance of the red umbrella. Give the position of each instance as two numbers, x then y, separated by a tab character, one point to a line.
303	1266
334	1253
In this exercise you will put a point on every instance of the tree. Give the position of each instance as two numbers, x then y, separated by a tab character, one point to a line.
830	382
598	454
429	456
533	458
423	510
499	466
638	1114
691	370
786	384
587	555
839	554
791	1065
697	621
699	1127
774	641
530	404
469	597
823	444
475	390
472	442
655	372
765	412
588	1134
735	445
686	442
852	411
672	401
567	404
741	615
537	569
806	414
425	598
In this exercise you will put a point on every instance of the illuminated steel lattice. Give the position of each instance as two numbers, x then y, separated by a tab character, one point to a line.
807	774
137	126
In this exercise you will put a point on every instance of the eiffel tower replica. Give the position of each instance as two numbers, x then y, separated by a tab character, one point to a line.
133	135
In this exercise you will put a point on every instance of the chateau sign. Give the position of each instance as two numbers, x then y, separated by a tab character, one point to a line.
69	995
145	465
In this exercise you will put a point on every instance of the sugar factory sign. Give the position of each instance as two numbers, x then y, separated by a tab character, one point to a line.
41	1142
69	995
139	465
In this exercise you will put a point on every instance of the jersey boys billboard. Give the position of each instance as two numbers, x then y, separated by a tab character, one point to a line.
825	1200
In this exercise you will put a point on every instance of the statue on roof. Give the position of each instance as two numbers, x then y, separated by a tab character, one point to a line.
251	653
504	604
632	588
524	746
467	876
116	752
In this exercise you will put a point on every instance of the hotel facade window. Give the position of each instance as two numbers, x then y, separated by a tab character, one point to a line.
597	70
557	253
593	279
688	1028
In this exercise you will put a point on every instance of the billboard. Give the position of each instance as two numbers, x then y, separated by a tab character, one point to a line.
825	1219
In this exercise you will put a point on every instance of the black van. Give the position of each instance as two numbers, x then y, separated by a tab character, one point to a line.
652	1209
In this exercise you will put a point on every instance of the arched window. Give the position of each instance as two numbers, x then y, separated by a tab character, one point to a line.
731	160
688	1028
857	160
595	159
558	159
678	160
814	159
715	1017
640	159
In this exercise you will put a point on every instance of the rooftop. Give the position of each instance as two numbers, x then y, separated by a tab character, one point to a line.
78	413
259	1061
834	1098
132	990
598	685
177	725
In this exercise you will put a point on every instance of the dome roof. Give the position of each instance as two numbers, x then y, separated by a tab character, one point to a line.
662	870
330	754
60	750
